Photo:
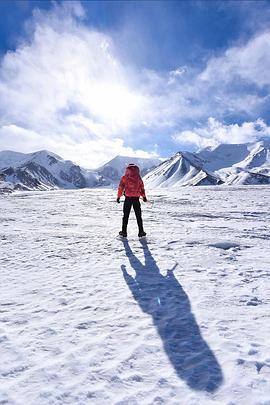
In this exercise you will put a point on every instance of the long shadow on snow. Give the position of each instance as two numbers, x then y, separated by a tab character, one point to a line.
164	299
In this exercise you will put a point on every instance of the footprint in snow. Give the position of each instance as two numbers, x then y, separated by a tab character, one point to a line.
254	301
225	245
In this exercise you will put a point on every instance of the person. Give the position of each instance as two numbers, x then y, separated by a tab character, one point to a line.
132	187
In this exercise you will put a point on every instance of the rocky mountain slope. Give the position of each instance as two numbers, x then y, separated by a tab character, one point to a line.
44	170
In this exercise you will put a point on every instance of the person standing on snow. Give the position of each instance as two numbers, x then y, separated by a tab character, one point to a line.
131	185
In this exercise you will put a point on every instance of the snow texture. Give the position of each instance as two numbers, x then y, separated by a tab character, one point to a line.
181	317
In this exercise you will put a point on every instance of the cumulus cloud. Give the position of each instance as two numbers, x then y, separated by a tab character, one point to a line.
215	132
66	87
240	78
233	84
87	152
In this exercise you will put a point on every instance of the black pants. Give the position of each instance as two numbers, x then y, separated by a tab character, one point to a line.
135	202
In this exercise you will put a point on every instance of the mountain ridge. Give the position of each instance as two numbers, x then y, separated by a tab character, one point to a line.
227	164
45	170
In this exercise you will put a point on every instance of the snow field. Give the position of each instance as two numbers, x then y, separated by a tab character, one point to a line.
179	318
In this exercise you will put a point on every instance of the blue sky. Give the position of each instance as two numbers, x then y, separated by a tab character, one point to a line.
92	79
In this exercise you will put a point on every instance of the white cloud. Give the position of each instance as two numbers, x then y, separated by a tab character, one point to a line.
176	74
216	133
250	63
66	89
89	153
235	83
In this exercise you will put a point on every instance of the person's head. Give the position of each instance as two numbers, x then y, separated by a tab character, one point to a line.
132	170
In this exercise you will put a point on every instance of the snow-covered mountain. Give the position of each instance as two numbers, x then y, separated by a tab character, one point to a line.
182	169
228	164
114	169
44	170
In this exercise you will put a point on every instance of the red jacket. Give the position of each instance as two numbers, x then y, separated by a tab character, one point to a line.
131	183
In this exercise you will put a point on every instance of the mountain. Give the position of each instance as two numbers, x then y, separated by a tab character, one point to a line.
239	164
115	168
182	169
228	164
43	170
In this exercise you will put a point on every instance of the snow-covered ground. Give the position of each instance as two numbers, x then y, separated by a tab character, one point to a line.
180	318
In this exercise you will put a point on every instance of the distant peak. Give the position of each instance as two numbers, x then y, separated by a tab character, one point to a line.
178	154
45	152
42	152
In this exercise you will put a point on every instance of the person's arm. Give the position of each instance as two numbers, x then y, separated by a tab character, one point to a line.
121	187
142	191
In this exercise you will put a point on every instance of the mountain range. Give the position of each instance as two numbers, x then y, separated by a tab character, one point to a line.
44	170
228	164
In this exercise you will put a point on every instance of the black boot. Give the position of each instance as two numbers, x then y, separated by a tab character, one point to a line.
141	234
123	234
